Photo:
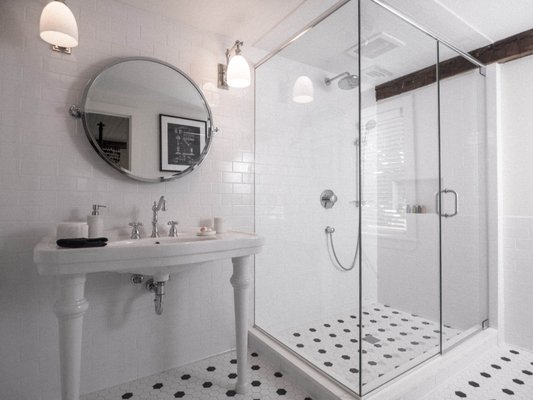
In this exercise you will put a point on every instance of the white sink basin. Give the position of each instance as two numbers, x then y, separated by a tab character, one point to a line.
158	257
182	238
144	256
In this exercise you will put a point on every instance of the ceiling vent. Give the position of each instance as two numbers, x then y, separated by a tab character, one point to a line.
375	72
376	45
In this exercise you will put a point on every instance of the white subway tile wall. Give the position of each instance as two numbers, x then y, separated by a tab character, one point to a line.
517	195
49	173
518	280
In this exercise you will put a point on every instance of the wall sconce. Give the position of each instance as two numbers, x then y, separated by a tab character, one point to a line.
303	90
236	72
58	27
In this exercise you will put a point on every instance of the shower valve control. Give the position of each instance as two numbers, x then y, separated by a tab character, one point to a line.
328	199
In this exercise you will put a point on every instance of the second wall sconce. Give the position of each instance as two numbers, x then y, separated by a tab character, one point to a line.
303	90
58	27
236	72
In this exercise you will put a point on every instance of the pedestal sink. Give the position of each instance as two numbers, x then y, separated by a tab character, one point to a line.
158	256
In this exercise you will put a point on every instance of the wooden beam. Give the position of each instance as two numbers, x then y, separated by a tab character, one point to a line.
511	48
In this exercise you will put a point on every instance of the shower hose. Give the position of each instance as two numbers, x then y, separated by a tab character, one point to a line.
329	231
371	124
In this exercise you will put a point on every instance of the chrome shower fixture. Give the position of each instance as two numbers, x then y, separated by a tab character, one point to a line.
347	82
370	124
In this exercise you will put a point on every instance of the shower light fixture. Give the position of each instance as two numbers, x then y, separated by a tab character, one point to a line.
58	27
236	72
303	90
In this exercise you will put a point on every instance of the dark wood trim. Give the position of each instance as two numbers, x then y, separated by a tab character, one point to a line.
511	48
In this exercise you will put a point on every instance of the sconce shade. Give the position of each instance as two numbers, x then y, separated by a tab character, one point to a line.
238	72
58	25
303	90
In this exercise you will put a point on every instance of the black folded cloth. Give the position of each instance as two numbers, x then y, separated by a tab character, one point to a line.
77	243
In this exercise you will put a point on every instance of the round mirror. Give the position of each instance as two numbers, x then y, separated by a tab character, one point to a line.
147	119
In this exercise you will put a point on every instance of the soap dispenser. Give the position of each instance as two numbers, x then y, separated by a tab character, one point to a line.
96	222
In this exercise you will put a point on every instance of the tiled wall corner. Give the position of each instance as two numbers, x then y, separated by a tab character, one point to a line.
517	197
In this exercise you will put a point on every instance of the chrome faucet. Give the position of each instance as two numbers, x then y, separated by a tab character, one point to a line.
160	205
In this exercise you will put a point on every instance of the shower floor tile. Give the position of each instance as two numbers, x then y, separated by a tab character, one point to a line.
503	373
212	378
391	339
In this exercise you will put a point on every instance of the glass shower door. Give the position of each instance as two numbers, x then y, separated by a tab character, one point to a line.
399	152
305	146
463	211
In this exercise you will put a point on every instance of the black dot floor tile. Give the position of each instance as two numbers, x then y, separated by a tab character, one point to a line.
210	379
394	338
506	380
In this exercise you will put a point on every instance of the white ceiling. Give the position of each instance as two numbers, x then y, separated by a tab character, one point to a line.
246	20
329	45
265	24
470	24
466	23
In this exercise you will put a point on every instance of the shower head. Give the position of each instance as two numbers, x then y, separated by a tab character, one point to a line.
347	82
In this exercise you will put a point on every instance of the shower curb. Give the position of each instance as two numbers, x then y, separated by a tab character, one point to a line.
314	382
424	378
411	386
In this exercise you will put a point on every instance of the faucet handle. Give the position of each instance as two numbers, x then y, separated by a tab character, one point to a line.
135	233
173	232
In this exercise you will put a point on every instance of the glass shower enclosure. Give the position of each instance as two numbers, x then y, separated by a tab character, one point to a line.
369	190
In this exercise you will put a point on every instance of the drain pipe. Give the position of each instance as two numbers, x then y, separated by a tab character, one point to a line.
155	285
159	289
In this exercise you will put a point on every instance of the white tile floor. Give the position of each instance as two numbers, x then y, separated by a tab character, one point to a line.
213	378
503	373
396	337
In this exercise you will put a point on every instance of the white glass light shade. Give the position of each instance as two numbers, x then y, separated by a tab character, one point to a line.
238	72
58	25
303	90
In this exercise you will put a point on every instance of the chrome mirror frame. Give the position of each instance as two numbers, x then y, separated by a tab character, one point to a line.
78	112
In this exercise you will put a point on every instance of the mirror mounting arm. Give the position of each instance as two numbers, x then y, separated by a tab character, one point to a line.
75	111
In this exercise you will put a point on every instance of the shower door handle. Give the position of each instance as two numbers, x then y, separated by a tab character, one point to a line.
455	203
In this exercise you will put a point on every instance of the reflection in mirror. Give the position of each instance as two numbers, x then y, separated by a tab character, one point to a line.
147	119
113	136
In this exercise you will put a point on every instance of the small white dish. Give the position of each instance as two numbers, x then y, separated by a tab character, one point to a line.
206	233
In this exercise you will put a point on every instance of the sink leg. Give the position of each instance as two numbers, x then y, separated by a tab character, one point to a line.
241	281
69	309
